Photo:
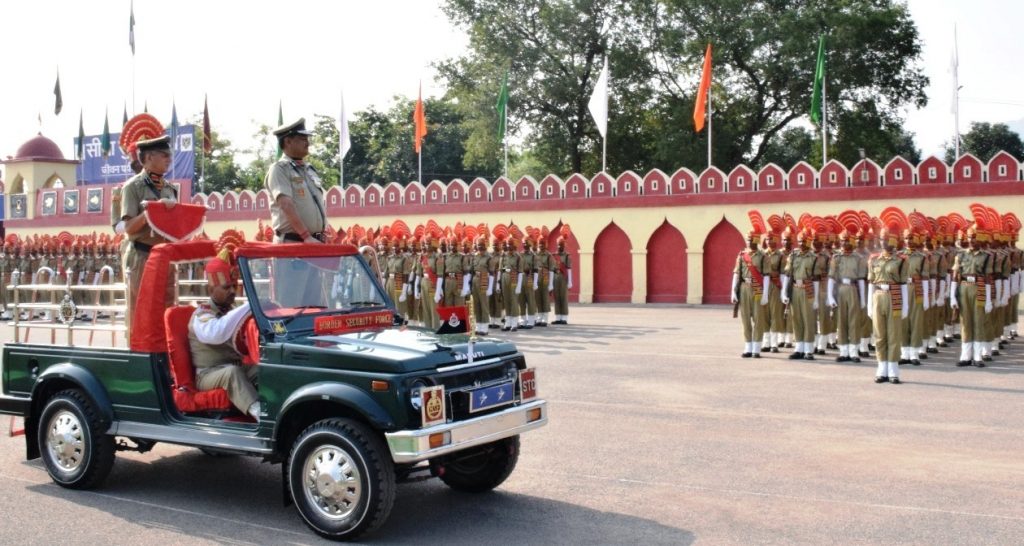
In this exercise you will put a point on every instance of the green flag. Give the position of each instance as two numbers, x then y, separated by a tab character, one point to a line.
819	82
502	105
280	122
105	139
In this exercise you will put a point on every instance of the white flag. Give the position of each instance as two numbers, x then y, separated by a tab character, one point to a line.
599	101
344	141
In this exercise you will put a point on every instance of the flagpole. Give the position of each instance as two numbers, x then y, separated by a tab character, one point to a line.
505	140
956	98
709	127
824	122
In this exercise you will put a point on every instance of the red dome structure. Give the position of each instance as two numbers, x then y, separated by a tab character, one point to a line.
39	148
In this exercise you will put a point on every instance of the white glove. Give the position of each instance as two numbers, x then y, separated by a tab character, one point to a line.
871	294
860	292
416	290
569	278
906	297
764	293
940	295
439	289
519	284
490	285
405	293
988	298
535	277
465	285
551	283
830	291
1006	292
814	302
437	296
735	283
952	296
119	228
999	293
924	292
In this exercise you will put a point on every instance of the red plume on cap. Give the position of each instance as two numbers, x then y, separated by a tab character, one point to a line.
777	224
894	219
957	221
919	223
757	222
1011	224
806	221
140	127
851	222
500	232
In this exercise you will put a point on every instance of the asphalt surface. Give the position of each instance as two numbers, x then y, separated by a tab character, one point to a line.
659	434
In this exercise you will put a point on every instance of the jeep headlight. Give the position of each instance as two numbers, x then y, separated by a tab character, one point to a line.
415	399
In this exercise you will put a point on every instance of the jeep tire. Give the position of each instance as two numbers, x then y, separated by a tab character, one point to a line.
483	468
77	452
341	478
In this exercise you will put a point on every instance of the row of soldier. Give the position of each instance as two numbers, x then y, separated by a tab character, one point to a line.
816	285
513	286
53	262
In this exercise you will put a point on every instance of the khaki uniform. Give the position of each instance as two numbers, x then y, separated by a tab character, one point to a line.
427	275
509	268
776	322
885	275
527	299
800	273
137	189
483	276
220	364
753	315
299	181
823	316
495	299
397	283
846	271
452	279
971	271
913	323
544	264
563	269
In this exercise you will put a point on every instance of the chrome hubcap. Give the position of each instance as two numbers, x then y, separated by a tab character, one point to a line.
332	482
65	440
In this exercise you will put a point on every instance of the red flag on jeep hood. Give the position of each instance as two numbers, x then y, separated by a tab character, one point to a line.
181	223
454	319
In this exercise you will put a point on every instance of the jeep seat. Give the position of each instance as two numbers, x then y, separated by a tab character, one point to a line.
186	397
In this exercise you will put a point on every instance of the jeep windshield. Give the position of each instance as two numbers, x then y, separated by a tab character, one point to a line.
289	287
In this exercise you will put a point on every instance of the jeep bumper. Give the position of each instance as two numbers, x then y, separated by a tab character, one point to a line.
410	446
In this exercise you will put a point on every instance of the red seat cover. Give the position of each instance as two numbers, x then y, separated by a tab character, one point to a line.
186	397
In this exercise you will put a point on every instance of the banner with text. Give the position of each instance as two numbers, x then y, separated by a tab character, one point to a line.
116	167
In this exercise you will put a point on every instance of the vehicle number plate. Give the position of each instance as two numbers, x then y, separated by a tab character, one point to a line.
489	397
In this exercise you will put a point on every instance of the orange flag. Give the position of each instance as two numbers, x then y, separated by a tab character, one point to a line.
702	92
420	119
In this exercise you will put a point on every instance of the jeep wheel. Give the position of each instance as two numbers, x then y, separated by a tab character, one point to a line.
341	479
76	450
482	469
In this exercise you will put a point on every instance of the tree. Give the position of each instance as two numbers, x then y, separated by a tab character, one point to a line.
218	171
881	135
763	57
323	150
985	140
791	146
554	51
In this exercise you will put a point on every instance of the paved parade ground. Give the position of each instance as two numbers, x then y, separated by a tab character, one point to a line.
659	434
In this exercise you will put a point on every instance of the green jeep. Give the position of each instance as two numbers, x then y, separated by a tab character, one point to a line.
351	402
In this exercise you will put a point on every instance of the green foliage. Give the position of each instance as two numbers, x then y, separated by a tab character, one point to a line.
879	134
764	58
218	170
791	146
984	140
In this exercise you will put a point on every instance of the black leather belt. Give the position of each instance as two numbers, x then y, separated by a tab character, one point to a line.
294	237
142	247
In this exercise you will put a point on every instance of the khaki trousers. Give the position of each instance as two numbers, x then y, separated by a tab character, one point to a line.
237	380
887	326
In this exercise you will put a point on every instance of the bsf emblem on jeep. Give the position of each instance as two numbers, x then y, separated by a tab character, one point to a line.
454	321
433	405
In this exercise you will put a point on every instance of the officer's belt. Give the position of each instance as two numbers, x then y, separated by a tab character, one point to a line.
970	278
142	247
294	237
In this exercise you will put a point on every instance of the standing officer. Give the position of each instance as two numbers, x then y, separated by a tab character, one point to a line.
773	269
799	273
482	285
563	279
545	264
296	192
888	297
148	188
749	291
511	277
527	296
846	294
917	298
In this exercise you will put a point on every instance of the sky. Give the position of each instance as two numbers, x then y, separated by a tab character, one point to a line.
247	56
